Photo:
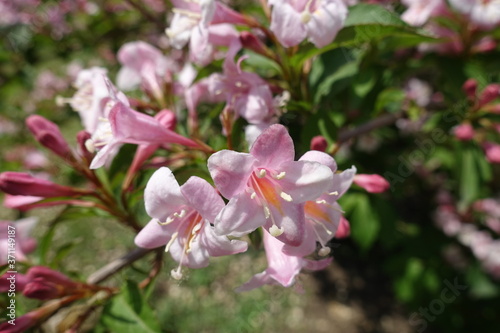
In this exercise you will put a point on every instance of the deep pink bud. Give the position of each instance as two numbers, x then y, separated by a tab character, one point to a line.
251	42
50	275
43	290
464	132
470	88
18	279
19	183
372	183
49	135
319	143
23	323
344	229
491	92
492	151
45	283
167	118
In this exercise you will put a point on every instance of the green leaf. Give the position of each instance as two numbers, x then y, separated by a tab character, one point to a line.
365	223
390	99
129	313
364	82
372	14
469	177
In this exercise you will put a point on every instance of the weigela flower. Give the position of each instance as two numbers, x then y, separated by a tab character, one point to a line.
372	183
282	268
318	20
485	14
182	217
267	187
324	213
142	63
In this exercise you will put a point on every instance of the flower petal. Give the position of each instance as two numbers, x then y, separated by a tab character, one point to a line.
273	147
241	216
342	181
305	181
258	280
202	197
230	171
291	219
162	195
286	24
307	247
320	157
221	245
197	257
152	235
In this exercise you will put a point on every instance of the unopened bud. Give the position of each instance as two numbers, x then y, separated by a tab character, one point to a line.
49	135
470	88
464	132
372	183
491	92
319	143
19	183
344	229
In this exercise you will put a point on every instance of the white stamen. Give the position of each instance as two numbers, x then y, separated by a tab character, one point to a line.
168	221
262	173
305	17
253	195
324	251
89	144
279	176
321	201
238	84
181	215
267	212
171	241
187	13
176	274
286	196
275	231
333	193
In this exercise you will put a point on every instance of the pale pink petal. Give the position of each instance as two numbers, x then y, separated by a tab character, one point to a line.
316	265
221	245
304	180
287	25
291	218
273	147
162	195
320	157
230	171
258	280
203	197
307	246
153	235
342	181
241	216
326	22
127	79
197	257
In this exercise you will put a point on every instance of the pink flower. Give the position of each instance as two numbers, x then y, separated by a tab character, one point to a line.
129	126
282	269
419	11
318	20
19	231
319	143
142	63
492	151
267	187
322	214
464	132
372	183
202	49
245	93
91	97
182	217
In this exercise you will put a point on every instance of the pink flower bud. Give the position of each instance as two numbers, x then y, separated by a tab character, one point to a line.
372	183
491	92
19	183
23	323
251	42
470	88
45	283
464	132
48	274
7	280
167	118
319	143
344	229
43	290
49	135
492	152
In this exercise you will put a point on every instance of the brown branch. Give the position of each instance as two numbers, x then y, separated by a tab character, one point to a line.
117	265
381	121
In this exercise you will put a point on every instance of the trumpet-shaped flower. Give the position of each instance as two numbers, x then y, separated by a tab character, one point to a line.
182	217
318	20
419	11
282	268
267	187
324	213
